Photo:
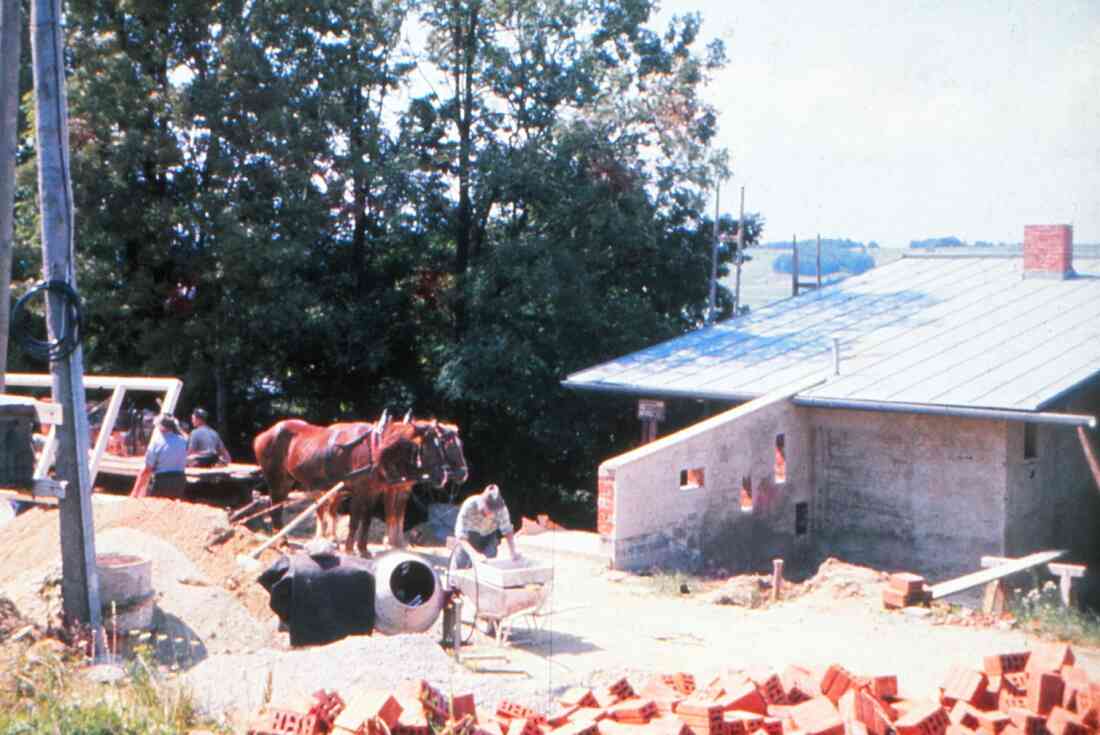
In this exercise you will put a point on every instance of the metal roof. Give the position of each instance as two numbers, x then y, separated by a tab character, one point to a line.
967	332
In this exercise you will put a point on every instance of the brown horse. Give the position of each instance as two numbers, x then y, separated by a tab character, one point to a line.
374	461
395	493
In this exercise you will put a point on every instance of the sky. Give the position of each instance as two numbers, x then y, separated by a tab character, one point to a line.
902	120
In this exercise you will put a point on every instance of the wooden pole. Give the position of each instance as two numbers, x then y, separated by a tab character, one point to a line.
819	261
794	265
777	579
740	254
711	302
297	519
79	583
1090	455
10	40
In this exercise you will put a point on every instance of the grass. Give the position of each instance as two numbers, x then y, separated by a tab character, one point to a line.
1041	612
45	689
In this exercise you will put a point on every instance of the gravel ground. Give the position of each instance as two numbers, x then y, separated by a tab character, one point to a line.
232	687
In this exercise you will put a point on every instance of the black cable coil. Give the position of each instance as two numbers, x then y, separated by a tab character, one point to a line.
71	322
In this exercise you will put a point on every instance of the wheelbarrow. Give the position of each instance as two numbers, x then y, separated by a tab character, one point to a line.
498	591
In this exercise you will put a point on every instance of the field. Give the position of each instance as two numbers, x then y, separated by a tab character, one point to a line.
760	285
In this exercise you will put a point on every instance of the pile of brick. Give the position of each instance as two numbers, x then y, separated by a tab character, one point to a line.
905	589
1039	692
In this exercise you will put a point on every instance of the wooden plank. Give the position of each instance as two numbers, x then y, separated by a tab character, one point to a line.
965	582
45	413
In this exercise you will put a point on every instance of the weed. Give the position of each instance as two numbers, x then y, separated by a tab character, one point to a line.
1041	611
54	694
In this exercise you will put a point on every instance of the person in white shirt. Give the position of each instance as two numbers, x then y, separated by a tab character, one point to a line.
482	520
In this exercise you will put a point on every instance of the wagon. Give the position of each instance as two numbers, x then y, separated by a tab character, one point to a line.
499	592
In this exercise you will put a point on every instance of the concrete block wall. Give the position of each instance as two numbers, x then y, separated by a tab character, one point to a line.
1053	499
656	508
909	492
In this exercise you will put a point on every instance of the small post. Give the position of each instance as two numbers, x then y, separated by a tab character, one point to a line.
1091	457
777	578
819	261
836	356
794	265
711	302
740	257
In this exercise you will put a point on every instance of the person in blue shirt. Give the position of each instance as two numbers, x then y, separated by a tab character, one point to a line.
165	460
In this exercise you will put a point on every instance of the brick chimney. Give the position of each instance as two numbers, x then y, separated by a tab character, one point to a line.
1048	251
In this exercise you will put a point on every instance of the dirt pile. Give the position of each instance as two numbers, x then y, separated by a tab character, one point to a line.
834	580
199	532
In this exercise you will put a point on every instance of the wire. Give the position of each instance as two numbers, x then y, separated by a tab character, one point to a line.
72	318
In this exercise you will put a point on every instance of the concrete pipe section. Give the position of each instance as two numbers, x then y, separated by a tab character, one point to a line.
408	595
126	591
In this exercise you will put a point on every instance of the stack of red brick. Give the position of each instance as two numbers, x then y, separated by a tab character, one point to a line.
905	589
1037	692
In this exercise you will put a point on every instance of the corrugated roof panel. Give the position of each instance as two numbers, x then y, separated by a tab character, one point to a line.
948	331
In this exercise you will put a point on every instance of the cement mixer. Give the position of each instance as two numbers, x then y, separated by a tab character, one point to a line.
323	597
408	594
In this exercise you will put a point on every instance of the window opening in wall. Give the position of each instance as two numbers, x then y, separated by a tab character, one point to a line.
1031	441
780	459
801	518
746	494
691	479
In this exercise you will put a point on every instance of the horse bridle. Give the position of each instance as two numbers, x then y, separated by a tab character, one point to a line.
443	439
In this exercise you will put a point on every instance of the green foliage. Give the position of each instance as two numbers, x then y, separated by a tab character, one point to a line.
296	212
53	693
1041	611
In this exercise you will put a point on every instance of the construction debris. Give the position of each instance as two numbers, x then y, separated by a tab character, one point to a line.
904	589
1036	692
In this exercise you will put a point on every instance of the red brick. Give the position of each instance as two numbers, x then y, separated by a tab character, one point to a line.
366	705
577	728
1050	658
579	696
906	582
884	686
633	710
873	712
924	718
524	726
1076	680
799	684
1005	662
1027	721
1013	691
817	716
770	686
855	727
773	725
954	729
963	684
993	722
1063	722
1044	692
745	697
1048	248
965	714
835	681
739	722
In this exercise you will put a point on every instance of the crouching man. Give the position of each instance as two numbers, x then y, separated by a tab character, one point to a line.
482	520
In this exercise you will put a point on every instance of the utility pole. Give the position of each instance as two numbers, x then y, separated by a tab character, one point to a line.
740	255
10	40
794	265
80	583
714	262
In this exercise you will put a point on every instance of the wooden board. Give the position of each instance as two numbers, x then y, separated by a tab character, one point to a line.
45	413
113	464
950	587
